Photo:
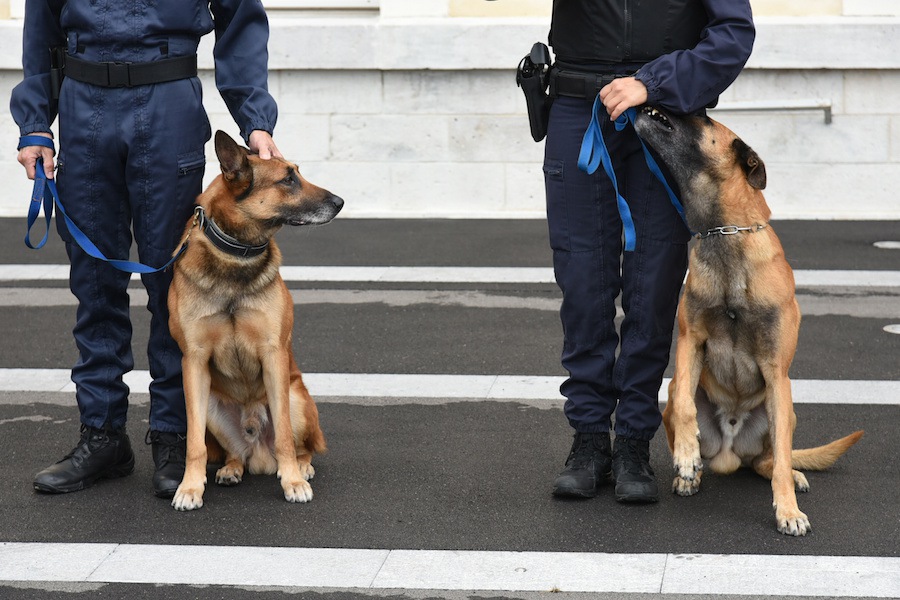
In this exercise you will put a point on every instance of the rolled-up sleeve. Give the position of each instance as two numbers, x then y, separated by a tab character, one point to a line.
31	103
242	62
686	81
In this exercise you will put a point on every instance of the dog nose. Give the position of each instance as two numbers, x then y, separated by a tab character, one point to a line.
337	201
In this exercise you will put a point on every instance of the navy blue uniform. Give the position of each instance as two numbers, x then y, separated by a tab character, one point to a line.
586	230
130	164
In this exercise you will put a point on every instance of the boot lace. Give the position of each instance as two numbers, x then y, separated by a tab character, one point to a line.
635	457
169	447
582	453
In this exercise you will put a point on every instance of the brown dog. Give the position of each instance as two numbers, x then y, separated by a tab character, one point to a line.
730	398
232	316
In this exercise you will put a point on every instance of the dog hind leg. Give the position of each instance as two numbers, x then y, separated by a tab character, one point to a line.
763	465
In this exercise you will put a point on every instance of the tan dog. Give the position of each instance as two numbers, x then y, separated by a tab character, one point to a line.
730	398
232	316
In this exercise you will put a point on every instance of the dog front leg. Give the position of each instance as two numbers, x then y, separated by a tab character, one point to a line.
195	373
782	420
277	382
680	416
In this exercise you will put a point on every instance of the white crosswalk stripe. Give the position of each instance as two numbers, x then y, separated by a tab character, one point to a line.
383	389
803	278
372	569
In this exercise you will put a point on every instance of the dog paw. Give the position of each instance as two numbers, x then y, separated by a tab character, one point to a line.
307	471
188	498
229	476
688	467
795	523
685	487
300	491
800	482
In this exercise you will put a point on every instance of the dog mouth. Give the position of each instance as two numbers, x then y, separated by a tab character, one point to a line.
658	117
321	215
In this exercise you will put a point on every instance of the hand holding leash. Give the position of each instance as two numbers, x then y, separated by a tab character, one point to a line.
623	93
37	147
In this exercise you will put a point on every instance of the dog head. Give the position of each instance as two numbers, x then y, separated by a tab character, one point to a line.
257	196
704	157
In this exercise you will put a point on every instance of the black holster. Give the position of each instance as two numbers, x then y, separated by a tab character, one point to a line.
57	70
533	76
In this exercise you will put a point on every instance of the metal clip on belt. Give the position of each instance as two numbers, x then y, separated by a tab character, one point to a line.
123	74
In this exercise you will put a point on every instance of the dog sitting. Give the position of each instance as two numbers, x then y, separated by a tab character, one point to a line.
738	319
232	316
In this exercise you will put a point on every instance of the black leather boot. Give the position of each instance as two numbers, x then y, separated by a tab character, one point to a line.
587	467
100	454
169	450
635	480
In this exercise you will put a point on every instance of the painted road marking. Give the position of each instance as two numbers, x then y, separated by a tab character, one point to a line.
803	278
834	576
385	389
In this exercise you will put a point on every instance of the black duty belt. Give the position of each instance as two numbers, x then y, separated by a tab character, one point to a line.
577	84
123	74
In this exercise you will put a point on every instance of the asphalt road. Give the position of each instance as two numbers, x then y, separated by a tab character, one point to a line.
446	474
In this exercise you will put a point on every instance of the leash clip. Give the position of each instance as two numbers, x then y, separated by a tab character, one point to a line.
199	217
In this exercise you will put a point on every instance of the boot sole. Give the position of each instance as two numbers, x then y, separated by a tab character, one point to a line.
636	497
82	484
165	493
631	499
564	492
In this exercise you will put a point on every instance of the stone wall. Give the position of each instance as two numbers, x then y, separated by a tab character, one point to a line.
421	117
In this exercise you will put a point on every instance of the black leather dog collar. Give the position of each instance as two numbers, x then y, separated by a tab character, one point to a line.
223	241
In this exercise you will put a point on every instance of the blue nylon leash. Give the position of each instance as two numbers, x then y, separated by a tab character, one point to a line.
595	153
45	194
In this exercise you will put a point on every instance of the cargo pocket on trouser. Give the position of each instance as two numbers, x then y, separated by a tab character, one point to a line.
555	188
191	167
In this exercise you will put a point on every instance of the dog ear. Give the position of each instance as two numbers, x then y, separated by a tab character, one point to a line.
232	158
751	163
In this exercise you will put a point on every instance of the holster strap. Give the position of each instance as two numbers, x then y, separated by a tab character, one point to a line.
124	74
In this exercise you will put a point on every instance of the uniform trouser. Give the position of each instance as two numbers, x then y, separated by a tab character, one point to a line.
592	270
130	165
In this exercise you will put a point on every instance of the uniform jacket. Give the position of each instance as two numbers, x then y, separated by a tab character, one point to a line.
139	30
685	63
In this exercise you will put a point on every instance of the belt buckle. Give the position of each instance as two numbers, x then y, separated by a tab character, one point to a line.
118	74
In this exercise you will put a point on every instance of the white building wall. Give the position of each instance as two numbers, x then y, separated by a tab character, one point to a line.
421	116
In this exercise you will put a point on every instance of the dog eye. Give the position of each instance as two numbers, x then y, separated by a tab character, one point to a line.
289	180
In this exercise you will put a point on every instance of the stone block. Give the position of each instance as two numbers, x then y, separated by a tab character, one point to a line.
456	190
525	193
493	138
871	92
302	138
824	191
872	8
330	92
452	92
403	138
803	137
772	86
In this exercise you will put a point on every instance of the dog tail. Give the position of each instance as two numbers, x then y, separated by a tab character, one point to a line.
822	457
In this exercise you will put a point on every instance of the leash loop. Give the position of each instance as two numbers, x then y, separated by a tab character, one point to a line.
45	193
594	152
